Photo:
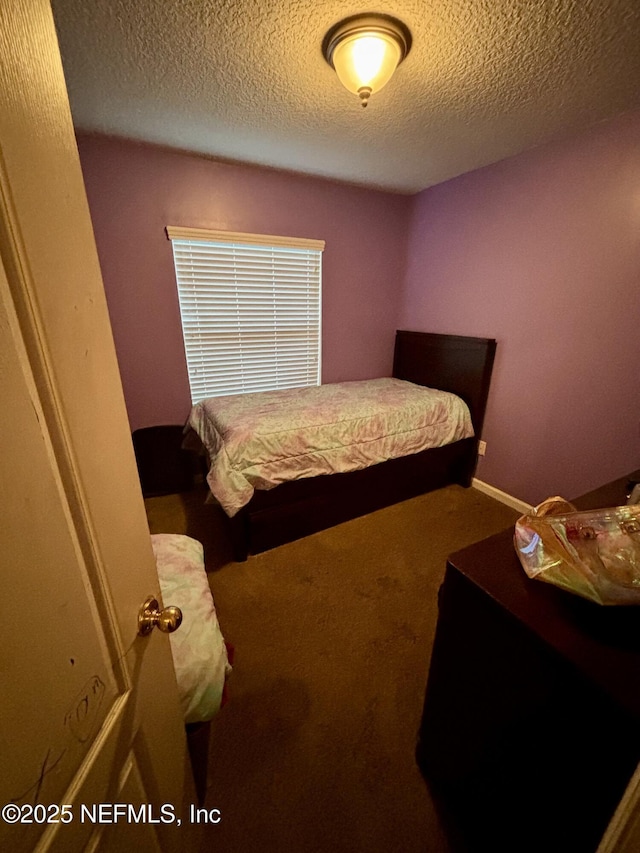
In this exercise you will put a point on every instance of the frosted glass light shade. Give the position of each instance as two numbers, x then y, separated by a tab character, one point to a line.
365	51
366	59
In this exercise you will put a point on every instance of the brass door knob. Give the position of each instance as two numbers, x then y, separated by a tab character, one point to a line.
150	616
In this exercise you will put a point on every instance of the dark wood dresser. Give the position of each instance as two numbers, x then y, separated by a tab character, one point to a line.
531	723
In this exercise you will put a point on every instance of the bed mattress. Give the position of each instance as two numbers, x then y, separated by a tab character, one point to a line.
259	440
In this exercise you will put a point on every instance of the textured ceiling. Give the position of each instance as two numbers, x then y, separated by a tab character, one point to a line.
245	80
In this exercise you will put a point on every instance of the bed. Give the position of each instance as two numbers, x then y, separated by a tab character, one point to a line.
268	516
200	654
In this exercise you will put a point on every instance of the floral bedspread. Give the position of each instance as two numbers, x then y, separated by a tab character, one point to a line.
198	648
259	440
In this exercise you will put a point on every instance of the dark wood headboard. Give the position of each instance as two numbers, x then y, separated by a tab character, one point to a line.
452	363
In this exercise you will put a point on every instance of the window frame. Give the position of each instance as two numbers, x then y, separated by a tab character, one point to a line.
285	258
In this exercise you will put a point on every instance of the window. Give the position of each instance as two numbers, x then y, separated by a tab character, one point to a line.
250	308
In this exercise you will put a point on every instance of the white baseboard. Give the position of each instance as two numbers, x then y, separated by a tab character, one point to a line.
503	497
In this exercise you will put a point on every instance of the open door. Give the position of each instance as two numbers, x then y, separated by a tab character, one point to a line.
90	712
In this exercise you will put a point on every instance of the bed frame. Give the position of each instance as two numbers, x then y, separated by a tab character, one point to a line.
292	510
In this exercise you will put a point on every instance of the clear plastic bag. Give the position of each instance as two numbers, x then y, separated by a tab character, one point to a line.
594	554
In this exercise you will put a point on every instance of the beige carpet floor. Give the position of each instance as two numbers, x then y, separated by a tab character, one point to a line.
314	751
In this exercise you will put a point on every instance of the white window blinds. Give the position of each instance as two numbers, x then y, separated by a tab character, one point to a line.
250	308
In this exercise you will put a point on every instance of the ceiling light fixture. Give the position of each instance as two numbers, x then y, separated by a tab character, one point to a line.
365	50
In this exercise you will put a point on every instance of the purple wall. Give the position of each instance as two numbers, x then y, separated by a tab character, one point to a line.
134	191
542	252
